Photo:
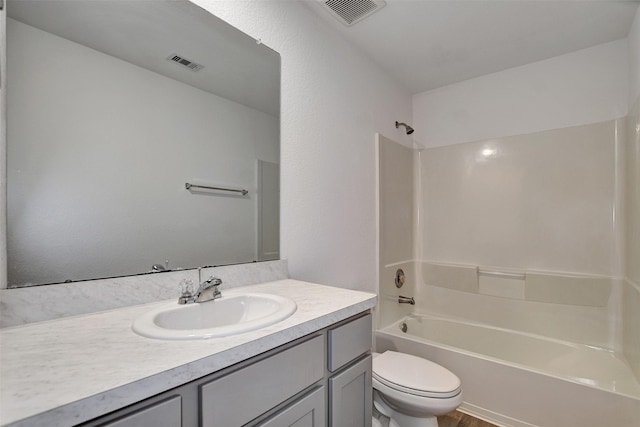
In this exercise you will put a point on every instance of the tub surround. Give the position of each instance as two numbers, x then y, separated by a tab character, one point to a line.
527	205
459	277
397	218
594	326
631	296
578	308
45	366
544	201
538	286
631	325
550	287
395	193
40	303
389	310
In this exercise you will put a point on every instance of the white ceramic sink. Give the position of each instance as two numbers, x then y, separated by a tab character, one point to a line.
229	315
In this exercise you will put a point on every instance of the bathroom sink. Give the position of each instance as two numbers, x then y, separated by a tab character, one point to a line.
229	315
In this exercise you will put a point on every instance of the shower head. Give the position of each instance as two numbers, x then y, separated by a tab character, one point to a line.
406	126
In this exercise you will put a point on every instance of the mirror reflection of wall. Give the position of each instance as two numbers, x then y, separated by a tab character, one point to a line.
100	148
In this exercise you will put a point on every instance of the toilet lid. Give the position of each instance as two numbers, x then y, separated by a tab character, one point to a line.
415	375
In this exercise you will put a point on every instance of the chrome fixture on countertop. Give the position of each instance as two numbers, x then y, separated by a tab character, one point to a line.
207	291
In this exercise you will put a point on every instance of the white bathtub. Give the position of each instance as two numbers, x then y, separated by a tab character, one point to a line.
517	379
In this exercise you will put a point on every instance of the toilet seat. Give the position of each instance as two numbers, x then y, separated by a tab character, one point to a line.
414	375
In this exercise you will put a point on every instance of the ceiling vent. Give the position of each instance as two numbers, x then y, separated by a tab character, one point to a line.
185	62
350	12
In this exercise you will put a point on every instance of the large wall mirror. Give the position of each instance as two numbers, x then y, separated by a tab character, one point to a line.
113	107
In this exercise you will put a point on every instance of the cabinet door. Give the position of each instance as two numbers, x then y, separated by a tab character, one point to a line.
350	396
163	414
306	412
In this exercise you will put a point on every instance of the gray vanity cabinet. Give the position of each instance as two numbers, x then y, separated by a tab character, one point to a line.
322	379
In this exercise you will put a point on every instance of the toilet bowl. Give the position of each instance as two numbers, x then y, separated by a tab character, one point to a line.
412	391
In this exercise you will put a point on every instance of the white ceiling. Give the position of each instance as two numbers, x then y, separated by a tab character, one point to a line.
145	33
426	44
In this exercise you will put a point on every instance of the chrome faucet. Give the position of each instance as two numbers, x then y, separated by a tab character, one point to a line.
207	291
406	300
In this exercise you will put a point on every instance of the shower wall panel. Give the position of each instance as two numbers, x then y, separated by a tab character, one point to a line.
396	227
543	201
396	201
631	298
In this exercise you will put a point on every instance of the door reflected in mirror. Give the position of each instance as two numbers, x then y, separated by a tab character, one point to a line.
113	106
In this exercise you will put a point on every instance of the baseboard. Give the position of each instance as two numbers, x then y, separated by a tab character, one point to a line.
492	417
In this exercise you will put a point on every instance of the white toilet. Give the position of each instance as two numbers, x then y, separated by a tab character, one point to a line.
413	391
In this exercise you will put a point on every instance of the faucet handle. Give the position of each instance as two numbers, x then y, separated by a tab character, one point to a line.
186	286
213	281
186	291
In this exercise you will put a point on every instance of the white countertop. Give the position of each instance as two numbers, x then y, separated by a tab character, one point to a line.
67	371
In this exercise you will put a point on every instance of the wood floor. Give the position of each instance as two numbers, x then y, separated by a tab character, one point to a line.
458	419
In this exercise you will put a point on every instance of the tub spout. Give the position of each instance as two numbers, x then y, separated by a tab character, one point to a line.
406	300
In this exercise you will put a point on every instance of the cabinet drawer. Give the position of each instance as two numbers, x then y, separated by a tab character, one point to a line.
349	341
163	414
241	396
